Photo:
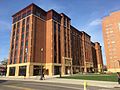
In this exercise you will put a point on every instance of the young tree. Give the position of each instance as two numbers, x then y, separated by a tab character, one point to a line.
4	62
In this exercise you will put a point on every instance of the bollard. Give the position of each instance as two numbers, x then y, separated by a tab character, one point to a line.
85	85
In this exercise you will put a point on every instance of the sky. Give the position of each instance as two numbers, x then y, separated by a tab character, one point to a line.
86	15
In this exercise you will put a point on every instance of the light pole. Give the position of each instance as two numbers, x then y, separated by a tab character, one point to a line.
41	70
26	54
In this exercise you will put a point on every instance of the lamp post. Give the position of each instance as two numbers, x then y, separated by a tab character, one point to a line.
41	70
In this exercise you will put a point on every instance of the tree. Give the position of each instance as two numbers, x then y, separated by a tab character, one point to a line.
4	62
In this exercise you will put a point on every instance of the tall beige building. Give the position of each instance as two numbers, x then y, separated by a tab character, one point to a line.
111	34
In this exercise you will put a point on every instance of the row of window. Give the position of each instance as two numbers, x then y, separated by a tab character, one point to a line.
17	18
55	44
15	40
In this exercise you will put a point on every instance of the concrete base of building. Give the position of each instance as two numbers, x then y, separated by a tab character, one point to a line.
114	70
30	68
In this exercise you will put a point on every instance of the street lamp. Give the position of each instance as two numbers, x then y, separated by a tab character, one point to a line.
41	70
26	54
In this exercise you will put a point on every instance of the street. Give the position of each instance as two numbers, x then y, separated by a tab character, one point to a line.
30	85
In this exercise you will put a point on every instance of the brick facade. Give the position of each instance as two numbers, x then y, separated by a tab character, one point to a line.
48	39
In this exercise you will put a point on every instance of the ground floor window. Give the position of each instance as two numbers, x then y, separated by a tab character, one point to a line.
36	70
12	71
57	70
22	71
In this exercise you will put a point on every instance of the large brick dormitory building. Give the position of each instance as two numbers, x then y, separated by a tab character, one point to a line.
47	40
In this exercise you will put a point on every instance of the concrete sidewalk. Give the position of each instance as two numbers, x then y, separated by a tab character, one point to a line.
105	84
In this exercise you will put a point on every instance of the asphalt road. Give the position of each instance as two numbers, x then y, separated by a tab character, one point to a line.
28	85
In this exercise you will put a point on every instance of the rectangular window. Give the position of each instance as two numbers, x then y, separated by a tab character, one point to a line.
22	70
27	34
27	28
22	36
38	14
14	60
17	37
23	23
12	71
20	59
14	19
23	29
18	25
64	21
23	15
55	47
26	44
25	58
19	17
59	44
16	46
28	20
18	31
29	12
21	52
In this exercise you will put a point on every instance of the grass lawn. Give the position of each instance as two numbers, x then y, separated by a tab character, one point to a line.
97	77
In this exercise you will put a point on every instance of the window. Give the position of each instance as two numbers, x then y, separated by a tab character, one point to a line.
55	47
29	12
28	20
26	44
25	58
64	21
12	71
21	52
17	37
23	22
18	31
16	46
22	43
27	34
23	15
59	44
22	36
14	60
38	14
23	29
18	25
22	70
27	28
19	17
20	59
14	19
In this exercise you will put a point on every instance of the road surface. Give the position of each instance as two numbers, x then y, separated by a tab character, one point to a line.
30	85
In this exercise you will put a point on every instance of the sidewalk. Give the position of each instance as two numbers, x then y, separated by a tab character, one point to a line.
105	84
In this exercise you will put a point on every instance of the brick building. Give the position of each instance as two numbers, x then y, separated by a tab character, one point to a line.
111	34
47	41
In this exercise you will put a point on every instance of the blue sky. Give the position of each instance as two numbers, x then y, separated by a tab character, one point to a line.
85	15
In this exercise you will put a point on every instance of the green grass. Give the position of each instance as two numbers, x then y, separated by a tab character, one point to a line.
97	77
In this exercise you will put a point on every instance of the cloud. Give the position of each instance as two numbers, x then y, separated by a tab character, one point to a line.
95	22
5	25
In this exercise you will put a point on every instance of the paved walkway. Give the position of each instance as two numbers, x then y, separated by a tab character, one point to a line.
105	84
